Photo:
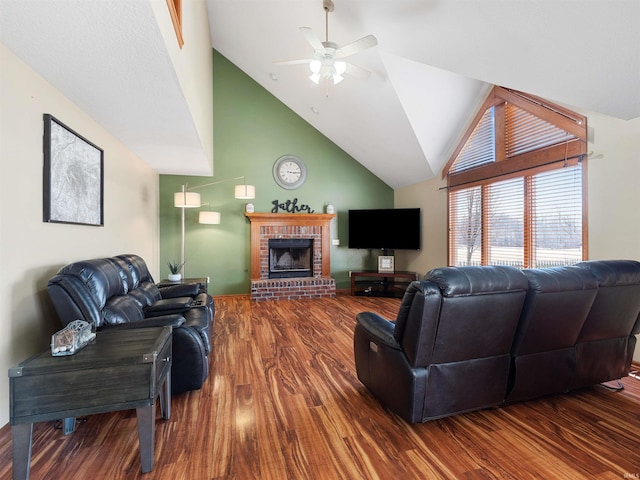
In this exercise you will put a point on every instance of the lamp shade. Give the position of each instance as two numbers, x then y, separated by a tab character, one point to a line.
186	200
209	218
245	192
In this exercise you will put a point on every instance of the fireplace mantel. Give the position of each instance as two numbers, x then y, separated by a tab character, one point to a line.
260	220
290	218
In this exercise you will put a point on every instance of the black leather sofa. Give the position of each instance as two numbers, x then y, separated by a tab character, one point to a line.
119	292
467	338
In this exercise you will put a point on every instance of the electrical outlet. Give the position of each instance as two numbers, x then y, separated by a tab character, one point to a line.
335	241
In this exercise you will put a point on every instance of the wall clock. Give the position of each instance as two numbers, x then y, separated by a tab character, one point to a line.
289	172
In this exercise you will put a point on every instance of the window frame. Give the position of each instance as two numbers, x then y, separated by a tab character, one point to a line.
175	11
526	165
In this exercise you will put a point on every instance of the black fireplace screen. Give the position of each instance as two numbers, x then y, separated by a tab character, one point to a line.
290	257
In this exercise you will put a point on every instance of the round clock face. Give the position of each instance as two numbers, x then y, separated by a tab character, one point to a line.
289	172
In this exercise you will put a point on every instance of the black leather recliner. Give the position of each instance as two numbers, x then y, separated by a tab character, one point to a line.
448	351
119	292
467	338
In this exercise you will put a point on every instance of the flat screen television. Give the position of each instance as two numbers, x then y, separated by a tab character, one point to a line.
387	229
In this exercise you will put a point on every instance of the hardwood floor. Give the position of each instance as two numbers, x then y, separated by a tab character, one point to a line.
283	402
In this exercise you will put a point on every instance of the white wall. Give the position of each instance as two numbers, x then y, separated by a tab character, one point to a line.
614	185
432	199
613	188
193	64
31	251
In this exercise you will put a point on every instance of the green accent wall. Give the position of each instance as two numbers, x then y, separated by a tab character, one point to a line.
252	129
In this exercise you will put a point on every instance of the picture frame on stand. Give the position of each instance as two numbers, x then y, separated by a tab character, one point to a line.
386	264
73	176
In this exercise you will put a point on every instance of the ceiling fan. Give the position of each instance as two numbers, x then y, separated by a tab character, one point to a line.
327	62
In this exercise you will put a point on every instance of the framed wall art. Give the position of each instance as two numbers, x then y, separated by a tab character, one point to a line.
73	176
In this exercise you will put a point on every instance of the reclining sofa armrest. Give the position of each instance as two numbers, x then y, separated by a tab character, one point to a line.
378	328
179	290
173	321
168	306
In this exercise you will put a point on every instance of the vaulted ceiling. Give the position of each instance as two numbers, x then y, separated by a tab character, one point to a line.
434	62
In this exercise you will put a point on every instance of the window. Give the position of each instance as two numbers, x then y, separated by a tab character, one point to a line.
465	226
557	217
505	222
516	190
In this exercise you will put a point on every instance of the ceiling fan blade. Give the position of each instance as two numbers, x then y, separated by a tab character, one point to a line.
357	46
312	39
358	72
293	62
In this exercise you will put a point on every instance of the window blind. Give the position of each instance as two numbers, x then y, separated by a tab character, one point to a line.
505	220
465	227
525	132
557	217
480	148
516	185
530	221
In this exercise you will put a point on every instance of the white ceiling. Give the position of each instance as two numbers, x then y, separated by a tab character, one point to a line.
434	61
109	58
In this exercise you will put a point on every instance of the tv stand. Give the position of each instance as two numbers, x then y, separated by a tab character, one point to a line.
381	284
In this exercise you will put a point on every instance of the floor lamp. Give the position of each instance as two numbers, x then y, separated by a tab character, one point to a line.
188	199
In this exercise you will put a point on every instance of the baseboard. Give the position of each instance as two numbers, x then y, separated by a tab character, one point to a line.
339	291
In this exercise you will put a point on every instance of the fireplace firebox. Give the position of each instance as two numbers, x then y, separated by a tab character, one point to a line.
290	257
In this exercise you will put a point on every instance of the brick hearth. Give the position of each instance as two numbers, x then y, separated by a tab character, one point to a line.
292	288
265	226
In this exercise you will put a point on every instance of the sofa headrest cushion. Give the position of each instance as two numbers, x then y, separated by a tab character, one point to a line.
125	273
101	277
462	281
138	267
560	279
614	272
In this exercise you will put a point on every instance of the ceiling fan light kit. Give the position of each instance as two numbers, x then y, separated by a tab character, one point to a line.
326	63
332	70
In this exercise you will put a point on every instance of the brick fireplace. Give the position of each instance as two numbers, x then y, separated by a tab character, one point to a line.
311	227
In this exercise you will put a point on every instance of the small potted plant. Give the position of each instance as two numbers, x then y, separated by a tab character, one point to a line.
174	268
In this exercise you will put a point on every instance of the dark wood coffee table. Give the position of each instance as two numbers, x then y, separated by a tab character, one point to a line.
120	370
